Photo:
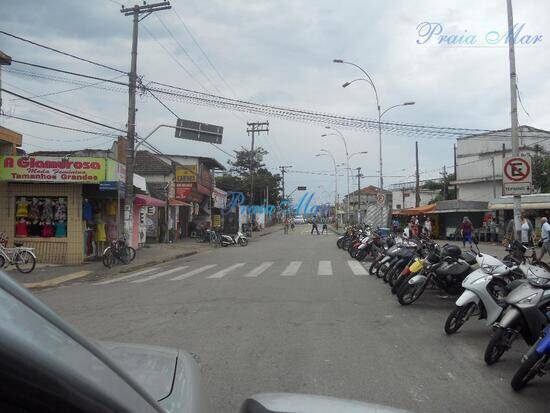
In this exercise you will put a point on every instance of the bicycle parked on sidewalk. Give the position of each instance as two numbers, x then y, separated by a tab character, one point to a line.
23	258
118	251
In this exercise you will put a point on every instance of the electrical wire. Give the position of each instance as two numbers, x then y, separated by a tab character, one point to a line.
61	52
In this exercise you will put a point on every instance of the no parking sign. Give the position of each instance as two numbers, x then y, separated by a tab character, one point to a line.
517	175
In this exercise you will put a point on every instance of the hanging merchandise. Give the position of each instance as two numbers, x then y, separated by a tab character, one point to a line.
60	210
22	207
34	209
60	229
48	229
111	207
47	210
87	210
35	229
21	228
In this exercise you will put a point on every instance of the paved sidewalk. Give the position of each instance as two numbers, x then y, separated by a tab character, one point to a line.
48	275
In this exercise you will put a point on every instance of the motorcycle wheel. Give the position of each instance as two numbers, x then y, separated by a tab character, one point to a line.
399	282
373	267
408	294
497	346
394	277
243	242
361	254
339	242
386	276
457	318
529	368
380	270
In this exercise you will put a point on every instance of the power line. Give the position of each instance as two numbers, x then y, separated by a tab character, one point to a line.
56	126
61	111
61	52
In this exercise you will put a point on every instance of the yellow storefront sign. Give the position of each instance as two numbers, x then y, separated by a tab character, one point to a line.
216	221
186	173
52	169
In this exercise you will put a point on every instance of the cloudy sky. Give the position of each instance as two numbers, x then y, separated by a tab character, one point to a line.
280	52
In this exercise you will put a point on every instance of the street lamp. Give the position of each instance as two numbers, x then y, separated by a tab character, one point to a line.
369	80
341	135
325	152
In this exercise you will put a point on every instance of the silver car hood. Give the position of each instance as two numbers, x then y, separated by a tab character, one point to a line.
304	403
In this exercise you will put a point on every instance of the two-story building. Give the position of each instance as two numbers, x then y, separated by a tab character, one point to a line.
404	197
365	205
479	160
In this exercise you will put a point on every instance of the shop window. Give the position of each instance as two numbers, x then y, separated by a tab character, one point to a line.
44	217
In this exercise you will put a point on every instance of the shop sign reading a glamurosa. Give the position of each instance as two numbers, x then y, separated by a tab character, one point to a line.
52	169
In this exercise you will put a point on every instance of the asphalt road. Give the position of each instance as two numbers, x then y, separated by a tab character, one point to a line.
321	328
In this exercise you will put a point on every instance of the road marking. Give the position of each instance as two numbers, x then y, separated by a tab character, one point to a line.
224	272
325	268
259	269
159	274
292	268
357	268
193	272
58	280
132	275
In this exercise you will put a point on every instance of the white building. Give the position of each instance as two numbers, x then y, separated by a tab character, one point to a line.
406	197
479	160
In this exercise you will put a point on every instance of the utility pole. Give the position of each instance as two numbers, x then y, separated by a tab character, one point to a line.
283	169
252	129
358	195
417	186
445	188
5	60
513	110
135	11
456	176
494	178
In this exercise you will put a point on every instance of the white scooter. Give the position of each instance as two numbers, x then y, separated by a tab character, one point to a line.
484	292
238	239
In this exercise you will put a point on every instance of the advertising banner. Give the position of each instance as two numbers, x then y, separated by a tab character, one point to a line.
186	173
52	169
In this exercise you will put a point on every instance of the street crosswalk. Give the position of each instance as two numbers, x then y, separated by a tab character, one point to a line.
322	269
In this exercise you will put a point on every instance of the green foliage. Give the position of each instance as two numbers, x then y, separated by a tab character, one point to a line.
238	178
541	170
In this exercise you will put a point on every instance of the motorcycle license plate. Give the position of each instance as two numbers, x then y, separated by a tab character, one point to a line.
415	266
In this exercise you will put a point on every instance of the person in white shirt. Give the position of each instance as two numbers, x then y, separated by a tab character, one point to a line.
545	237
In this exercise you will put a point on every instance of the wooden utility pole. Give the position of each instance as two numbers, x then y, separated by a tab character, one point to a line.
456	176
283	169
417	186
252	129
135	11
445	187
358	195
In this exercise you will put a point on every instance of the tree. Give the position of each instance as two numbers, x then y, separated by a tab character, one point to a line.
540	164
238	178
441	186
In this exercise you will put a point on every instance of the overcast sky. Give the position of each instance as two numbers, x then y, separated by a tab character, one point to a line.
280	52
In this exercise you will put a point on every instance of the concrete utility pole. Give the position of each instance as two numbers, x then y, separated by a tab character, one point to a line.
5	60
252	129
456	176
135	11
417	186
514	111
445	187
283	169
358	195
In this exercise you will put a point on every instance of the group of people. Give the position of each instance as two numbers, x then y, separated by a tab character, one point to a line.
288	223
417	225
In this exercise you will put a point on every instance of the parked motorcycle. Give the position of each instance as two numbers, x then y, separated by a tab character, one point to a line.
534	362
239	239
526	314
484	292
447	275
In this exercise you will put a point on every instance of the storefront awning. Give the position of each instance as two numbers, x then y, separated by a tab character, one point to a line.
176	202
426	209
146	200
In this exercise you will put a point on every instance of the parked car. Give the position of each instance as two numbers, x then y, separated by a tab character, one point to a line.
299	219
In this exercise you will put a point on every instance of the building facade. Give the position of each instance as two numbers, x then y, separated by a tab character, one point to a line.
406	198
479	160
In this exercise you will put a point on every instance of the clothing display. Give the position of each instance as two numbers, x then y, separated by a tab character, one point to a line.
100	234
21	228
112	232
60	229
60	210
35	229
34	210
110	208
87	210
22	208
47	210
48	230
88	242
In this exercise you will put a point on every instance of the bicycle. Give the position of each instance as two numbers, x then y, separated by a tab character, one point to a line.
118	250
23	258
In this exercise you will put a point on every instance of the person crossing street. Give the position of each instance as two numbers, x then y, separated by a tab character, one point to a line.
314	226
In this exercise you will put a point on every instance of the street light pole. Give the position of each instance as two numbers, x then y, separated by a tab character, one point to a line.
369	80
326	152
341	135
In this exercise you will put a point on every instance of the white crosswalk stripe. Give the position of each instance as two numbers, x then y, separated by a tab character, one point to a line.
357	268
160	274
291	269
193	272
224	272
325	268
259	269
126	277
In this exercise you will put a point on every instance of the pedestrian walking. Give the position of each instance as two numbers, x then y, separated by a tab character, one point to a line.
292	223
324	230
314	226
286	224
428	228
395	225
466	229
526	230
544	242
492	224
